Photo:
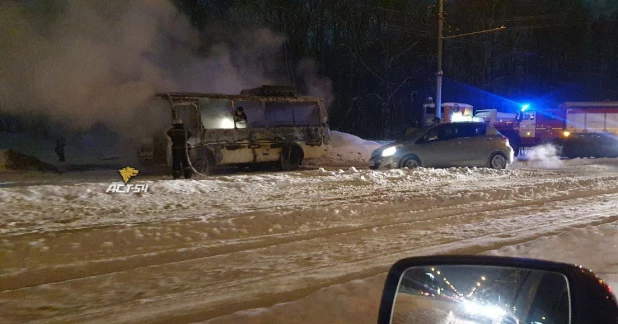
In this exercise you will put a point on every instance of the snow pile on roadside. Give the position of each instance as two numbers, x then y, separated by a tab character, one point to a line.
11	160
347	149
49	206
544	158
588	164
383	177
86	203
85	150
358	301
591	161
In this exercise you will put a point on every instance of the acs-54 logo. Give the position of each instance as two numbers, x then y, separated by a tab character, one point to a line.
127	173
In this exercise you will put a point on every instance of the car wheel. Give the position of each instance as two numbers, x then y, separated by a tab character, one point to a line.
410	162
498	161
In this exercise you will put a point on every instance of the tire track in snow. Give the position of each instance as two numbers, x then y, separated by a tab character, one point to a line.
472	245
235	289
397	215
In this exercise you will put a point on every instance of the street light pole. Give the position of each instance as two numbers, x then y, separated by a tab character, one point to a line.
441	38
439	72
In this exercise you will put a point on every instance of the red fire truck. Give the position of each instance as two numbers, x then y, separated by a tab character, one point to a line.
582	129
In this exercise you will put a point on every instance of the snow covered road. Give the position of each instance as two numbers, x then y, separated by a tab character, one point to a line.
195	250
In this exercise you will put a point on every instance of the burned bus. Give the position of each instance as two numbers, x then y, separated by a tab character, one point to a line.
281	129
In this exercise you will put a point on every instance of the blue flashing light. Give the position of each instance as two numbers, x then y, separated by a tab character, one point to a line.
524	107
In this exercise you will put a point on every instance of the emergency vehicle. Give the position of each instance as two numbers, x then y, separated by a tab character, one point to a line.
451	112
582	129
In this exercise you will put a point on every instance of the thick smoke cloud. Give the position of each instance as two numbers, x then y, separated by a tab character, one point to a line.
315	84
89	62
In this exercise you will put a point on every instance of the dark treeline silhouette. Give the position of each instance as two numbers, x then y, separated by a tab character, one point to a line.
381	55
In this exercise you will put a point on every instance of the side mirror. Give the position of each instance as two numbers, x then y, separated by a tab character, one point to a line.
496	290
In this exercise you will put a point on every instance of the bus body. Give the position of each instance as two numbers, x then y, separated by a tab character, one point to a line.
282	129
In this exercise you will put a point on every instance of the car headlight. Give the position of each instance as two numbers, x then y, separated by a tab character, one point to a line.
389	151
566	133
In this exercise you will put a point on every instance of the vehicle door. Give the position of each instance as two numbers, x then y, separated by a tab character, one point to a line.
527	127
473	146
188	112
437	148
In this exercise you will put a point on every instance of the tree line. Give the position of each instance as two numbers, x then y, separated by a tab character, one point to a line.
381	55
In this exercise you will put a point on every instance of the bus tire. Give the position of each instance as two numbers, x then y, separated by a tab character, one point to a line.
204	161
291	158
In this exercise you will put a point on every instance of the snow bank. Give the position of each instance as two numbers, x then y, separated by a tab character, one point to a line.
82	151
347	149
602	163
11	160
544	157
67	204
416	175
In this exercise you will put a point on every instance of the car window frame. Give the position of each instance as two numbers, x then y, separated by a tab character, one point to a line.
423	140
474	126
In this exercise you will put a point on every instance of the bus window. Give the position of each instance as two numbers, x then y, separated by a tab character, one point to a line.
254	111
279	114
188	114
216	113
306	114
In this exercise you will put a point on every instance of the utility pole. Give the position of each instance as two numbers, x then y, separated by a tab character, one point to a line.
441	38
439	72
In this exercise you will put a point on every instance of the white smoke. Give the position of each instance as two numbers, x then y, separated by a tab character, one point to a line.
85	64
544	156
88	62
316	85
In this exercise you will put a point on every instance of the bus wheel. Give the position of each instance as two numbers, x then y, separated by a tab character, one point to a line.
204	162
291	157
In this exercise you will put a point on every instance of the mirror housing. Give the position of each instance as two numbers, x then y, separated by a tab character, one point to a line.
590	298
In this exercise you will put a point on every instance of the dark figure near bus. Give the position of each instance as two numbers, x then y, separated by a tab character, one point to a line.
180	155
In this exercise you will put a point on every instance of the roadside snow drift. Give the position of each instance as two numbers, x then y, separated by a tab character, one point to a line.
347	149
11	160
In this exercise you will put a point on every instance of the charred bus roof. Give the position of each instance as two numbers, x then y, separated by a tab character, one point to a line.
268	93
